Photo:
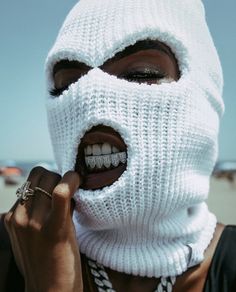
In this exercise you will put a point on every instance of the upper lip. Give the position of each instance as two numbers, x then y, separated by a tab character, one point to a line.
100	137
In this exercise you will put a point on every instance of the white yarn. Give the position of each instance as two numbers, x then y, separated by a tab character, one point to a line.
153	221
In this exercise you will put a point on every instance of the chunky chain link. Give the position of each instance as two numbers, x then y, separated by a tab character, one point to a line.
103	283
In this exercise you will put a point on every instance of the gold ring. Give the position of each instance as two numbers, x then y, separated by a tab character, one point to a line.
43	191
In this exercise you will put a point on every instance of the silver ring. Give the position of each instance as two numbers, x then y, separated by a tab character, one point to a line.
24	192
43	191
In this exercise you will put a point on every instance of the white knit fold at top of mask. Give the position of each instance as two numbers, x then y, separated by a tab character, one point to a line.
95	30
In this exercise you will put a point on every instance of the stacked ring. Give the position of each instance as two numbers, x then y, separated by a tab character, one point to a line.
43	191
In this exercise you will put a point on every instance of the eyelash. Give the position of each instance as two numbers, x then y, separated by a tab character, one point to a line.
141	75
57	91
133	76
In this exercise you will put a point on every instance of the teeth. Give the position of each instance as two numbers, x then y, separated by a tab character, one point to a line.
115	159
90	161
105	160
97	149
88	150
122	156
103	155
106	148
114	149
99	162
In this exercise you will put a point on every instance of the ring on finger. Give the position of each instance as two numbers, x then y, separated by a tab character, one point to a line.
43	191
24	192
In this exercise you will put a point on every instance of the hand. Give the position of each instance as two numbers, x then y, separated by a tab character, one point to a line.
42	234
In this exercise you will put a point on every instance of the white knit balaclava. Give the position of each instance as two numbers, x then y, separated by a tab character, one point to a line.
153	221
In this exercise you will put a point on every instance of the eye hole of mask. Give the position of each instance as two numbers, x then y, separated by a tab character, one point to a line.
149	62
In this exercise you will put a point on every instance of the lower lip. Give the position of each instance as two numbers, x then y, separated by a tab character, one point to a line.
95	181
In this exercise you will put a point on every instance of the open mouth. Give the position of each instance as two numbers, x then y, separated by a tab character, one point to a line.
101	158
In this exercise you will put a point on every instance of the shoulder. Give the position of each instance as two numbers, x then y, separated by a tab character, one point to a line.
222	271
225	254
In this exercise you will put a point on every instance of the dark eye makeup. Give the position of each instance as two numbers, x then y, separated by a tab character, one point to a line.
144	75
148	61
57	91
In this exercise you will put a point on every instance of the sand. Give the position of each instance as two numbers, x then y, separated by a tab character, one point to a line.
222	199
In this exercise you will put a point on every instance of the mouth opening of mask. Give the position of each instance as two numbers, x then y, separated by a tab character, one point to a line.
101	157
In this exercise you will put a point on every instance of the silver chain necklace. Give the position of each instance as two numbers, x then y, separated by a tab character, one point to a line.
103	283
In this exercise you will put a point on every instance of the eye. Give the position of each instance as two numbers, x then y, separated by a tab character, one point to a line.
64	84
145	75
65	75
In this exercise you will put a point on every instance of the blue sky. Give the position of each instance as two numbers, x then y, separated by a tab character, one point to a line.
28	29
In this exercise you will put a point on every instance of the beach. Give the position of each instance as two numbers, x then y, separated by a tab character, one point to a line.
221	201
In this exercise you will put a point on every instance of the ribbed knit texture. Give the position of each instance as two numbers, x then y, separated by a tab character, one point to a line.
153	221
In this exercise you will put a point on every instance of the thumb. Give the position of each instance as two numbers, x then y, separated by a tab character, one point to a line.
62	197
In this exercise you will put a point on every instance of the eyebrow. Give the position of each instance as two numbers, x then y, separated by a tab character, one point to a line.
143	45
67	64
138	46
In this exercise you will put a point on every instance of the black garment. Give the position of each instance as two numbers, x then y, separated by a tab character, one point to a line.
222	273
10	279
221	276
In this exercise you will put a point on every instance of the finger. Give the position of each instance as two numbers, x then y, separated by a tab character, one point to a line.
18	216
33	178
14	243
23	210
7	217
62	195
42	203
10	227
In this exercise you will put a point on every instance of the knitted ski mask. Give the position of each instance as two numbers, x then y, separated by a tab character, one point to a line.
153	221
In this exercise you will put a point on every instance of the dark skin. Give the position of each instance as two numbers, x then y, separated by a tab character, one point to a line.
49	222
148	62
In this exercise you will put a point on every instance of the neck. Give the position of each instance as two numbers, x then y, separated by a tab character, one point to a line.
125	282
